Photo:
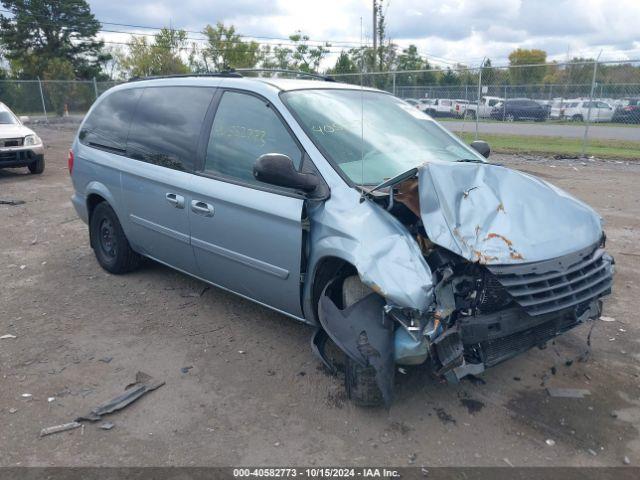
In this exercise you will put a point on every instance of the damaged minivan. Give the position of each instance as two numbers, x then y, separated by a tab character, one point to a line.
343	207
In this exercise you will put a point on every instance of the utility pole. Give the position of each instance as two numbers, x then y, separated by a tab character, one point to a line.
374	32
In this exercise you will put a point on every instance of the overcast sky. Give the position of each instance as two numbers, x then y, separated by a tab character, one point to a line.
445	30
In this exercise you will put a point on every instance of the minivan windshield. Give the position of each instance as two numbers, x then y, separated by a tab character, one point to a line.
372	136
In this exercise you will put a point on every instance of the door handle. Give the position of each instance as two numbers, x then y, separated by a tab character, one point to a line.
175	200
202	208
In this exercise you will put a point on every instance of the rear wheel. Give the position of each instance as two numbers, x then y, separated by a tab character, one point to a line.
37	167
109	242
577	118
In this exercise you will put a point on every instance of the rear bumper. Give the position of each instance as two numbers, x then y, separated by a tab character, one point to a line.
20	157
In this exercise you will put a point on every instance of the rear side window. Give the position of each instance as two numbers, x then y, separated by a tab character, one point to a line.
167	124
244	128
108	123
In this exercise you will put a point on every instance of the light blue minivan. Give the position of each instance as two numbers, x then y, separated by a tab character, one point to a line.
343	207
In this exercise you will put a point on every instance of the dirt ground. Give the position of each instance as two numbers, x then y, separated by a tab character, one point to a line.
255	394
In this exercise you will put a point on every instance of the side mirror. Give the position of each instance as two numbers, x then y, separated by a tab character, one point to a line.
278	169
482	148
24	119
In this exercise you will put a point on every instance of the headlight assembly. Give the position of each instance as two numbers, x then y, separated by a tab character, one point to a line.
30	140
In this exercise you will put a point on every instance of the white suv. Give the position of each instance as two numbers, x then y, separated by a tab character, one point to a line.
578	111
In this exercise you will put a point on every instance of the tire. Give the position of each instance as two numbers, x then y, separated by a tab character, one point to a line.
472	114
109	242
577	118
37	167
359	382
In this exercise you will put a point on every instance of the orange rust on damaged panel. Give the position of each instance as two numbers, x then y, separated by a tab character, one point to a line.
501	237
516	256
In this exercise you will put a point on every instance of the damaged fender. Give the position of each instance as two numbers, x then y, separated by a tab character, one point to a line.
363	333
386	256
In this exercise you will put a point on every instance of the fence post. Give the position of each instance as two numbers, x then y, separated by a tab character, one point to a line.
95	87
44	108
394	83
588	119
478	99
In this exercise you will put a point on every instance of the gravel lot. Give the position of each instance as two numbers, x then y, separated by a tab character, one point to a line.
255	394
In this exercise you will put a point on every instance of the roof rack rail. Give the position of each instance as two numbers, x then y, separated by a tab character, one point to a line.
224	73
325	78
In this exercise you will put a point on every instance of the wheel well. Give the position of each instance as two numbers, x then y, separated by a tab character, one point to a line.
328	269
93	200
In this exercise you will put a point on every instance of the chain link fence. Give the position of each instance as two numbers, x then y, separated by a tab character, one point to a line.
588	104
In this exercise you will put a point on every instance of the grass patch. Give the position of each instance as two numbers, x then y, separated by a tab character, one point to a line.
546	122
557	145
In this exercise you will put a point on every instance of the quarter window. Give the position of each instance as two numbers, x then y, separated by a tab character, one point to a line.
244	128
108	124
167	125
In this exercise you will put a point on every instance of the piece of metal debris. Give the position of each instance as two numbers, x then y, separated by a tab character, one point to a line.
144	383
7	336
26	395
626	460
186	369
59	428
106	425
13	410
106	359
568	392
550	442
11	202
607	319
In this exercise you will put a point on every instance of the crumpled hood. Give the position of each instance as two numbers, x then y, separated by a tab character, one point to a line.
494	215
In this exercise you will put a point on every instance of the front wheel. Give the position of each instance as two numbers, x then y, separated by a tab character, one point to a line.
109	242
37	167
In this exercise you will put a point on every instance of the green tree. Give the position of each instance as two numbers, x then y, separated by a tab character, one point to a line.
225	49
344	64
519	74
410	59
162	56
301	56
38	32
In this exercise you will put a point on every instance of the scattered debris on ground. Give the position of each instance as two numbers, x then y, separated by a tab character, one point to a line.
12	202
567	392
7	336
144	383
59	428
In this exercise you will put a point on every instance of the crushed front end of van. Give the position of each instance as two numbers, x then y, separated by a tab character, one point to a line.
503	262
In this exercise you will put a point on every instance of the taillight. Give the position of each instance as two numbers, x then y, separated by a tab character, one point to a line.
70	162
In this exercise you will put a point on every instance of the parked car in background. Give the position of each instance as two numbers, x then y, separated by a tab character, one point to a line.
19	145
459	108
546	104
594	110
484	109
628	111
519	109
425	103
439	107
557	107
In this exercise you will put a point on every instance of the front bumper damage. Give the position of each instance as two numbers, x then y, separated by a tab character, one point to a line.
460	342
